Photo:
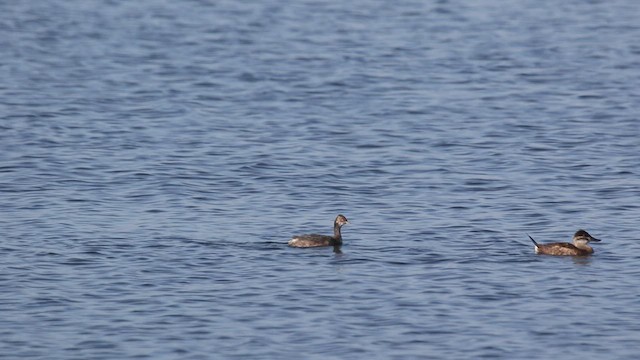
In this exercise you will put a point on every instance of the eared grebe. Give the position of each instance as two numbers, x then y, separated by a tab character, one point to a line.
580	246
313	240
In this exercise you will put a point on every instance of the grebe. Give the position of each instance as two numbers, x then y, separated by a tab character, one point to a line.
314	240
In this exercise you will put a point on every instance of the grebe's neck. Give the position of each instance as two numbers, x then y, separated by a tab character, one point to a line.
336	231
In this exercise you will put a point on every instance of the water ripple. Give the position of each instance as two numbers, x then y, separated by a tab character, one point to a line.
156	158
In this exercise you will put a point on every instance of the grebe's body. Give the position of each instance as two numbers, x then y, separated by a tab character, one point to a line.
315	240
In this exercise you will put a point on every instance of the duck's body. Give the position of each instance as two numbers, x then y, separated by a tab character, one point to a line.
563	249
579	247
315	240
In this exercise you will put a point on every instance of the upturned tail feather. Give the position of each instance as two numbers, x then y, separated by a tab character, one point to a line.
534	242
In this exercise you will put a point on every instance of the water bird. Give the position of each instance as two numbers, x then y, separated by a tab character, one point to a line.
315	240
578	247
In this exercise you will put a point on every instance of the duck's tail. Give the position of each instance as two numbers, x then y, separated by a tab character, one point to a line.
534	242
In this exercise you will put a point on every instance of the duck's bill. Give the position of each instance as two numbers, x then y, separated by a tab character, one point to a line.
595	240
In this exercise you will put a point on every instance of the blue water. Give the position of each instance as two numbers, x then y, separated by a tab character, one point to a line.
156	157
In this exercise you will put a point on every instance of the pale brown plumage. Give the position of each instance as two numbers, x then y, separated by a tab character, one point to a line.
580	246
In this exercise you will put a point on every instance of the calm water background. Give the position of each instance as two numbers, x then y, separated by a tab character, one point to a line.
156	156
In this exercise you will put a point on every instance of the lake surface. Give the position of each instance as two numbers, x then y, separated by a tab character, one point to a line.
156	157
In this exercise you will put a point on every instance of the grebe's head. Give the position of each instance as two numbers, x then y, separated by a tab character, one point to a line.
341	220
582	237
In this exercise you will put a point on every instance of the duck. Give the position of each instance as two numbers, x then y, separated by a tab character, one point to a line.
315	240
578	247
